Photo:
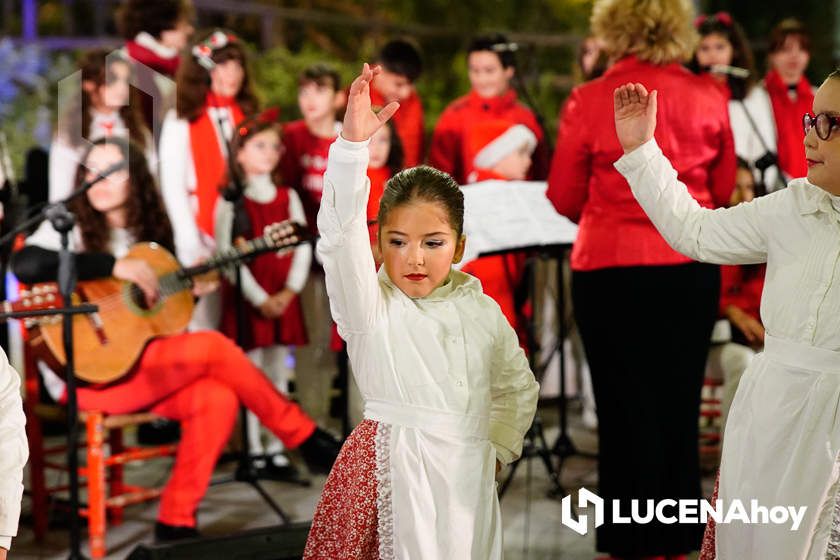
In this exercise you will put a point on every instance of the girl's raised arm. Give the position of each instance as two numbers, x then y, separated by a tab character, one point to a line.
344	247
735	235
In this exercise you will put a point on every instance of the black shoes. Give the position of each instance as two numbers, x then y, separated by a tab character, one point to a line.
278	468
169	533
320	451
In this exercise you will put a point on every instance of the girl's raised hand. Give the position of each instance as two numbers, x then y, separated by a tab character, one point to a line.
635	115
360	122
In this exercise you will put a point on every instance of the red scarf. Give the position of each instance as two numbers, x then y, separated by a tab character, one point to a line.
209	160
788	114
154	61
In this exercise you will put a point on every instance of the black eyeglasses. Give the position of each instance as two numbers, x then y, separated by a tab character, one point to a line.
823	123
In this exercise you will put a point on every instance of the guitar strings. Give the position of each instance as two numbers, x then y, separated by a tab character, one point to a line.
172	283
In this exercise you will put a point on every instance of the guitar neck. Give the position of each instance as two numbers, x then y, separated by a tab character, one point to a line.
181	279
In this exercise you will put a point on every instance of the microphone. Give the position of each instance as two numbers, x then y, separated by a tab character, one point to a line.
733	71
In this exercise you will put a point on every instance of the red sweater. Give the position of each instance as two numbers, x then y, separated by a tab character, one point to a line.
448	151
409	124
303	164
693	132
788	114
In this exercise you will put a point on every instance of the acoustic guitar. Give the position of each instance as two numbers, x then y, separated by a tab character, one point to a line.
107	344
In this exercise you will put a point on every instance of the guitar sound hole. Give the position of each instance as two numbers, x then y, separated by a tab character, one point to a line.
137	297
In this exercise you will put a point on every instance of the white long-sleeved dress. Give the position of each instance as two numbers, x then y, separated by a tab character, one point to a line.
13	451
443	378
782	440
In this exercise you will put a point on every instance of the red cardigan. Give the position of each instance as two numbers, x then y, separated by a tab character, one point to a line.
447	150
693	132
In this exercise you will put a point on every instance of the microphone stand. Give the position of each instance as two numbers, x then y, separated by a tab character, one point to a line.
245	471
63	221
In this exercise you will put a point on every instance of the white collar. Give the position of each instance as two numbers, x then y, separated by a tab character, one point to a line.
145	40
835	202
261	189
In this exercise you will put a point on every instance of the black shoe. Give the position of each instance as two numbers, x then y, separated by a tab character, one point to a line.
159	432
320	451
283	473
169	533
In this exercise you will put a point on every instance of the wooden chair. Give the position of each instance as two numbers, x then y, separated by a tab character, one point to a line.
102	473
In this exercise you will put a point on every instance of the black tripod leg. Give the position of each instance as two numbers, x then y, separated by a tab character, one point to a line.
542	450
255	484
509	478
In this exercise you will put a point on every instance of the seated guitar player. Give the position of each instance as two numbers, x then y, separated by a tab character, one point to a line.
196	378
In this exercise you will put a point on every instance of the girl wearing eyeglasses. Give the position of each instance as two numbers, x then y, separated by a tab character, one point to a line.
782	440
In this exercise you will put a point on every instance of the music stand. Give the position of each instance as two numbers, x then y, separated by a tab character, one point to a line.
511	216
245	470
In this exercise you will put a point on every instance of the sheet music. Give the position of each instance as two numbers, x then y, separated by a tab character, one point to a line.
502	215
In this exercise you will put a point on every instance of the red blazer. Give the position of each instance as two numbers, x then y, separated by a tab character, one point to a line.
409	124
693	132
447	151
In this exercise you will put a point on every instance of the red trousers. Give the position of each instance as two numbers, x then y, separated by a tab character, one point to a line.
198	379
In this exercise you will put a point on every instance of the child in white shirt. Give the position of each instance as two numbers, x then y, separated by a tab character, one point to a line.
448	391
782	440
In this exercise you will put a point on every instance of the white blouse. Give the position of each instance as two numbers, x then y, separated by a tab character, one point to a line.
782	441
262	190
754	132
445	372
14	451
178	182
795	231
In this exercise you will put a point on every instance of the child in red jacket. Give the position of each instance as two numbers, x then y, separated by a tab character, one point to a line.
306	142
302	167
401	66
490	61
501	151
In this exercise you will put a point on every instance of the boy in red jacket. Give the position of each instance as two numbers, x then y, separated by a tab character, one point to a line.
302	165
306	142
490	62
401	66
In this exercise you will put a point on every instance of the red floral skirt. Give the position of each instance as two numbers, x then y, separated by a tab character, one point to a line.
707	549
347	522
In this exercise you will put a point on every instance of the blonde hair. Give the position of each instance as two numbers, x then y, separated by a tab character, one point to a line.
656	31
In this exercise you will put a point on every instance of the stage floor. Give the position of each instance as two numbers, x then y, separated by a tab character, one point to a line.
532	527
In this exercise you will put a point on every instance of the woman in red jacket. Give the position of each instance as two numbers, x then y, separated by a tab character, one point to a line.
645	312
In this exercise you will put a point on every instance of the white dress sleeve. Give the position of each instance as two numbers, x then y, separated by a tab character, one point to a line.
14	451
737	235
302	259
344	248
175	162
64	160
251	290
513	393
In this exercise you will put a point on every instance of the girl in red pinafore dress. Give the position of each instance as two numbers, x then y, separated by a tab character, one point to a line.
270	282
